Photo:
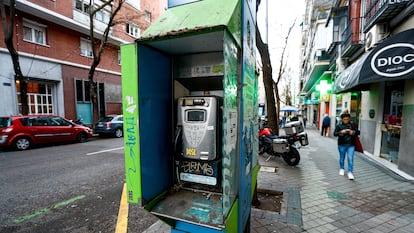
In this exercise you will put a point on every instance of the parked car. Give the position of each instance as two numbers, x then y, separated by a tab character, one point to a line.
110	125
21	132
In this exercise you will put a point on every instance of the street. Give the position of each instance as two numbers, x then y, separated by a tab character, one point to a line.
63	188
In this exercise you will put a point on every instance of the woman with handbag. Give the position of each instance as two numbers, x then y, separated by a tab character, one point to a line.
347	134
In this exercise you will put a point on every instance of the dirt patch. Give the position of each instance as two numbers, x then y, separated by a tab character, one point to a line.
270	200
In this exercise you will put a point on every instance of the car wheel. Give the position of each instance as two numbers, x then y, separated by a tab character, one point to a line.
22	143
81	138
118	133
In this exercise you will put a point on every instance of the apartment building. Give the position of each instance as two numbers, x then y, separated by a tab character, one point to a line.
371	68
52	39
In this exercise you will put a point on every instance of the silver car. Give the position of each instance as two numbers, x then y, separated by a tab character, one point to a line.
110	125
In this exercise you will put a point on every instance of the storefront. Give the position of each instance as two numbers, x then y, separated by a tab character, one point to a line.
378	83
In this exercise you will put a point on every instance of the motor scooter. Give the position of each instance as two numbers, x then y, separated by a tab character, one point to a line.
285	146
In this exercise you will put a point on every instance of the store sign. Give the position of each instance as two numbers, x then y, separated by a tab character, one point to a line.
394	60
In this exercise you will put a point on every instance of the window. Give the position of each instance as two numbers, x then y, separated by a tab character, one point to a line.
119	57
148	16
85	48
83	94
133	30
34	32
134	3
102	15
82	6
39	98
57	121
82	91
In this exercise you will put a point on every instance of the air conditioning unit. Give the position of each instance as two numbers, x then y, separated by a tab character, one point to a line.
375	35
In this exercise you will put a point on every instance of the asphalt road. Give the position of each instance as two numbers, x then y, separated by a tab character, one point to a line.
64	188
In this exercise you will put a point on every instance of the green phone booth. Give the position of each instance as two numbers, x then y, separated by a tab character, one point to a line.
189	92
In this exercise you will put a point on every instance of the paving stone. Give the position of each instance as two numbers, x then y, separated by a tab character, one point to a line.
375	202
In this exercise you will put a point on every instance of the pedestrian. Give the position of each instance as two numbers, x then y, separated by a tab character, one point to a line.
326	122
346	133
304	119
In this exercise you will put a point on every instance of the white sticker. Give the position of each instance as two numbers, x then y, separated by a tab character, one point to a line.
210	127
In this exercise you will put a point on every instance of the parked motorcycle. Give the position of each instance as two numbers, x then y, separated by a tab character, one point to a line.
285	146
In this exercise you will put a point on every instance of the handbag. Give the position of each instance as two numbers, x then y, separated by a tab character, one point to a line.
358	145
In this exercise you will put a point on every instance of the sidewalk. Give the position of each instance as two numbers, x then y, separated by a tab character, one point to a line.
376	201
317	199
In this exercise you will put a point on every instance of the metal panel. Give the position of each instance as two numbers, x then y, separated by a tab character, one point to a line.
155	93
248	121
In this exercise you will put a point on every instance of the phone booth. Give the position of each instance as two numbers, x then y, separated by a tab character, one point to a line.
189	92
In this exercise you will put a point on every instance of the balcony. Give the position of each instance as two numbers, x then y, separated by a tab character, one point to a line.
382	11
352	38
333	55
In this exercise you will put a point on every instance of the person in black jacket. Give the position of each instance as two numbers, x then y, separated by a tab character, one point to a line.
326	122
346	133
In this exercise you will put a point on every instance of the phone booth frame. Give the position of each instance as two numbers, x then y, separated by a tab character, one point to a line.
201	48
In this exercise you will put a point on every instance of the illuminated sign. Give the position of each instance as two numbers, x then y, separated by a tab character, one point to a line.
323	87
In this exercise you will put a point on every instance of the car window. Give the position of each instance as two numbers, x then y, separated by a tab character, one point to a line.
121	119
107	119
24	121
57	121
38	121
5	122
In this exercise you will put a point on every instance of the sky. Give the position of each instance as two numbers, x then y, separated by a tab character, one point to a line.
281	15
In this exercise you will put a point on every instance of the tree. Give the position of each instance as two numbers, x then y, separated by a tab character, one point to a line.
282	68
98	47
271	86
8	31
267	79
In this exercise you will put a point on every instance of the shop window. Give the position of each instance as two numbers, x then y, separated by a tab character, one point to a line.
392	121
39	96
34	32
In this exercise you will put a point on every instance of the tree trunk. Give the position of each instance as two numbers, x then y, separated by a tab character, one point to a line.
273	121
8	29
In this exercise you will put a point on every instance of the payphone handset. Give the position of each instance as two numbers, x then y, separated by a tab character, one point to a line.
198	120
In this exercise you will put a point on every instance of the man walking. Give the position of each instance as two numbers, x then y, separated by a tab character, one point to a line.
326	122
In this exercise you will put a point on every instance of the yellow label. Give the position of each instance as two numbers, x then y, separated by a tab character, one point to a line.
191	151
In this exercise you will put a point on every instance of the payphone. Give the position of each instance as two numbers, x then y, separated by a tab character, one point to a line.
197	141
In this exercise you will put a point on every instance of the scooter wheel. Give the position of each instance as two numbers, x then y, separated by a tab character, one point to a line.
292	158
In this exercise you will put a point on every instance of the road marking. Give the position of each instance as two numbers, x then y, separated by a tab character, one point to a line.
103	151
47	209
122	222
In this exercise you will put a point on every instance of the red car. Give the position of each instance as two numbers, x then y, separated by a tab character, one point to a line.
22	132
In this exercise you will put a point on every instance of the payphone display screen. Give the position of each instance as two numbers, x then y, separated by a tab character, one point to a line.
196	116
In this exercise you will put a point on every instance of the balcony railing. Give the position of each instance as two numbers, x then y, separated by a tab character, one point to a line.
352	37
333	56
382	11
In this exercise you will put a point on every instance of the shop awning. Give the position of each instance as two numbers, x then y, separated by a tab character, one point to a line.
391	60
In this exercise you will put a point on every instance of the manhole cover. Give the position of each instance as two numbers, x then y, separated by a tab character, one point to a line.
336	195
269	200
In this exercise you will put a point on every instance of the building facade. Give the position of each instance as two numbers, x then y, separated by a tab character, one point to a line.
52	39
371	67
